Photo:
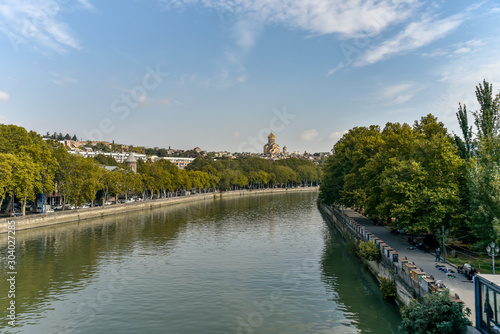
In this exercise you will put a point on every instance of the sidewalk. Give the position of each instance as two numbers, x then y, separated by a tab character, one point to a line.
459	285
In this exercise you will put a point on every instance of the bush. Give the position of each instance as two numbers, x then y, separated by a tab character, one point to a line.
437	315
388	287
369	251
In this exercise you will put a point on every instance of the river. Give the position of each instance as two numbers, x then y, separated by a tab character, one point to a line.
252	264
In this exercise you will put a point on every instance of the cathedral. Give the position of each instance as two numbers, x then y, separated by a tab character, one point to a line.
271	148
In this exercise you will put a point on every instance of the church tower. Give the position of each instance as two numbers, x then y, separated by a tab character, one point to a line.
271	148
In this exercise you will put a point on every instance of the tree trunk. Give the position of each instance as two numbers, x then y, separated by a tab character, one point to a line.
23	210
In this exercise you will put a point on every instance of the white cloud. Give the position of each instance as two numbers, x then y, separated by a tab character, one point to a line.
336	68
319	17
309	135
462	50
4	96
414	36
62	79
470	46
458	78
399	94
335	136
248	19
35	24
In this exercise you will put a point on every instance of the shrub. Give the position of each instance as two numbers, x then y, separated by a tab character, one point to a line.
388	287
437	315
369	251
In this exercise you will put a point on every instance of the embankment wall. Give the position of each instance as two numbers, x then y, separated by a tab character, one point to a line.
61	217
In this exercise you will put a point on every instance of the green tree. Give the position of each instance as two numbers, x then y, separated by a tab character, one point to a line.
481	191
438	314
369	251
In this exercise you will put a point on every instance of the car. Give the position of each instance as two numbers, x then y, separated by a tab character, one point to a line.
57	207
16	213
70	207
107	203
49	210
130	200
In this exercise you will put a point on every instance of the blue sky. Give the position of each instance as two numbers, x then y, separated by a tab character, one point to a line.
221	74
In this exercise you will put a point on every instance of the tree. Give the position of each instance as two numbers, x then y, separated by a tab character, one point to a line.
6	161
423	191
369	251
342	181
481	189
437	315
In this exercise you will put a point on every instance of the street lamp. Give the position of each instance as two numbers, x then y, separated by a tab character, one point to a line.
444	235
492	250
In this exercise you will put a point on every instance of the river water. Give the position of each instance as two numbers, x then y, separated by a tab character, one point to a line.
252	264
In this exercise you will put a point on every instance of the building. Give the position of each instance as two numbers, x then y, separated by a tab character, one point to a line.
487	295
131	162
181	163
271	148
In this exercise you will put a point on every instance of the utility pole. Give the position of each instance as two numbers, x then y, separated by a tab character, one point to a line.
444	235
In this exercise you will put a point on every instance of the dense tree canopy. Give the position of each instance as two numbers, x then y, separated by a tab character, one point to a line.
402	172
420	177
30	166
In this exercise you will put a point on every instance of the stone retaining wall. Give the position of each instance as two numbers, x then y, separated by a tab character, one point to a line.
60	217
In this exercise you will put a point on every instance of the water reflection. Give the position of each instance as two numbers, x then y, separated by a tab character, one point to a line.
204	267
354	289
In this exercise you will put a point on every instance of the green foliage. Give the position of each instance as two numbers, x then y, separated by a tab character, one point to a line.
369	251
480	189
437	315
105	160
409	173
30	166
388	287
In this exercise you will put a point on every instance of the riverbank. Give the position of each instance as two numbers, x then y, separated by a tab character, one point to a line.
61	217
398	257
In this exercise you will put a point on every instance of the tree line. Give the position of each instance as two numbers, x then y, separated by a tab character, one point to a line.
30	166
420	177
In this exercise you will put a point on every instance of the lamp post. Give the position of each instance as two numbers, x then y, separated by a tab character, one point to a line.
492	250
443	233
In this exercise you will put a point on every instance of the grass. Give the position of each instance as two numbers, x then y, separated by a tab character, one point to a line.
483	265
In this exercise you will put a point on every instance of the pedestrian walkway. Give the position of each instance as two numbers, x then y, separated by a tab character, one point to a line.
459	285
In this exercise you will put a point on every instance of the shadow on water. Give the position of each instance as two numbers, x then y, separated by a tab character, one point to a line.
354	288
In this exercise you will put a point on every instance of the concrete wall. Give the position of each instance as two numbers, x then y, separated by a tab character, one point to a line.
60	217
404	293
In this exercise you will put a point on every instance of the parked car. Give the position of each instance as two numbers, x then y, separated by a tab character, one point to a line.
57	207
107	203
16	213
70	207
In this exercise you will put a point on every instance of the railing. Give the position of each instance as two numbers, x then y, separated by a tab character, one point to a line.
416	280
